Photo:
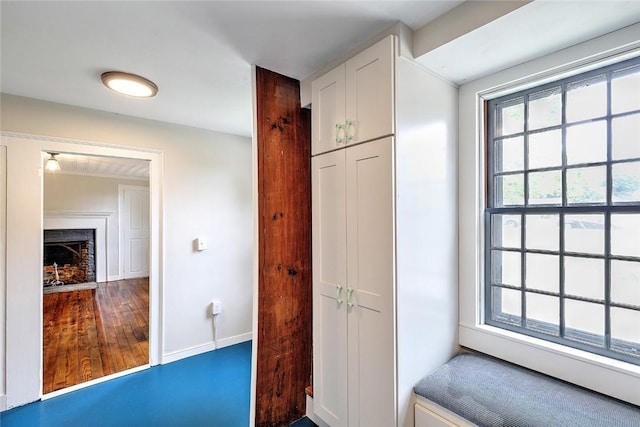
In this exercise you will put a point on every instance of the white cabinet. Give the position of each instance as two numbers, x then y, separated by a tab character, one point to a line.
354	101
384	245
329	288
353	285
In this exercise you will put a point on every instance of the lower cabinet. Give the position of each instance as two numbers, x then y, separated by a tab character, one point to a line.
353	293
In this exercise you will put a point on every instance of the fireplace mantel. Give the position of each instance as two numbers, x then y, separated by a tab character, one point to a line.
56	220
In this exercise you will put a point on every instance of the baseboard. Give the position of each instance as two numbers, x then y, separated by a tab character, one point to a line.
113	278
203	348
3	403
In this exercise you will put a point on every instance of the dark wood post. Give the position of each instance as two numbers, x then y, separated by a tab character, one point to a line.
284	288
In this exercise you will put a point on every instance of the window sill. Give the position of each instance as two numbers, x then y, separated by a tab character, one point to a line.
607	376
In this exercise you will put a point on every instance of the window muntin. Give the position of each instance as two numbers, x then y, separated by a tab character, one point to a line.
563	212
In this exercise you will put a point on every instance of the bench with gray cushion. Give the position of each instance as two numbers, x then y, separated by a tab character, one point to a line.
491	392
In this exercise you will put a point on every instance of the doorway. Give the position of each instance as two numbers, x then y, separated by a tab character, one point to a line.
95	317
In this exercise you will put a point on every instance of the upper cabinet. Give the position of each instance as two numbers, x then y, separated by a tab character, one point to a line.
354	102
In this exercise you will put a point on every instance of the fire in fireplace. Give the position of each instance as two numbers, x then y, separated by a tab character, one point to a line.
69	257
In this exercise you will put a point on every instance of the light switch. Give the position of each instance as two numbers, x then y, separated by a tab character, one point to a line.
201	243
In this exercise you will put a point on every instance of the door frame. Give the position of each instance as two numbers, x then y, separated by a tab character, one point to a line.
121	211
26	336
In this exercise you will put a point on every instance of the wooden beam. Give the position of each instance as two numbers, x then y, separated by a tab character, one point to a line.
284	284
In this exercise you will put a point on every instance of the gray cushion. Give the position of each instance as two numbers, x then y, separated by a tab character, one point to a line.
491	392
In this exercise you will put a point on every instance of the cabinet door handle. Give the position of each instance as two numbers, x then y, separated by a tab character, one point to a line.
349	293
340	129
339	294
348	125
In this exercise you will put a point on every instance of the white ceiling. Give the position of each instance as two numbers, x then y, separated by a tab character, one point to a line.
534	30
199	53
100	166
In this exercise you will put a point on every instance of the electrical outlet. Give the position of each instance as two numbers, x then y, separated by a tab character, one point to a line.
216	306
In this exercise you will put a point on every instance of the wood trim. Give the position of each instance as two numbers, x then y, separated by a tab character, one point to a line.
284	250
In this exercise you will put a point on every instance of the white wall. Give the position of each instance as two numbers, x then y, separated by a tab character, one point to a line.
75	193
618	379
207	192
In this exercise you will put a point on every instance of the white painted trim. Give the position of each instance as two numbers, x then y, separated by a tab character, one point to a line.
256	221
611	377
91	220
3	275
113	277
26	372
430	408
112	149
104	175
94	382
204	348
312	415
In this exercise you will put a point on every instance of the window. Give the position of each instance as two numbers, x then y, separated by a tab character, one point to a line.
562	220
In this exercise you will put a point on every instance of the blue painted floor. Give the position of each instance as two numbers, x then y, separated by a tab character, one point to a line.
211	389
303	422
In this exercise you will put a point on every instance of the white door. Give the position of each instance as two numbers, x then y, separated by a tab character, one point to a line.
369	95
329	289
327	97
370	281
134	223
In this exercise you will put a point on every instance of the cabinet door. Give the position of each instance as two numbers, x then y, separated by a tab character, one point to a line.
370	276
370	93
329	288
327	98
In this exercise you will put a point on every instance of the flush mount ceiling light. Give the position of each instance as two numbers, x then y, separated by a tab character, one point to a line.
52	164
129	84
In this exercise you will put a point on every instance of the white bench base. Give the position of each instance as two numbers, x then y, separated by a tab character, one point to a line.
430	414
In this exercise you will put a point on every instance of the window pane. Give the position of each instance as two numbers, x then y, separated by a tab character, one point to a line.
625	333
545	149
587	143
506	306
625	137
625	90
566	159
542	232
625	234
505	268
509	190
587	185
510	117
542	313
509	154
542	272
584	277
584	322
625	282
584	234
587	99
545	108
545	188
506	231
626	182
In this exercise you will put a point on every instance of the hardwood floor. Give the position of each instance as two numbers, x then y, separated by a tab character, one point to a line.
92	333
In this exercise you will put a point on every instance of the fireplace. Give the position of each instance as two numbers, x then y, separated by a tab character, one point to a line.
69	257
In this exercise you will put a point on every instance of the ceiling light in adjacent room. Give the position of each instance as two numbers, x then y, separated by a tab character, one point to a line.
129	84
52	164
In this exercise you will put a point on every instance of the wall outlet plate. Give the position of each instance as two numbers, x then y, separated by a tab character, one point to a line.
216	306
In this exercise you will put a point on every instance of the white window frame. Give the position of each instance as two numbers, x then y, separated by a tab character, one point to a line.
612	377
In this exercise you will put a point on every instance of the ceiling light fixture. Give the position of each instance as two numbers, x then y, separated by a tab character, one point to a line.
52	164
129	84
